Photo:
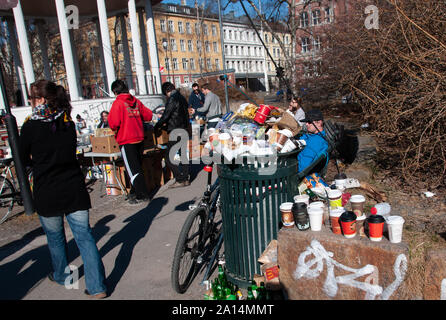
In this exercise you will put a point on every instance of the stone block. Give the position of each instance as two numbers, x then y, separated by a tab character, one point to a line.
435	275
323	266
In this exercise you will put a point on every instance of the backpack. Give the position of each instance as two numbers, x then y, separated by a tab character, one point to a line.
343	144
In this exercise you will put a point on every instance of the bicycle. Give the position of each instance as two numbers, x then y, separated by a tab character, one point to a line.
9	189
200	239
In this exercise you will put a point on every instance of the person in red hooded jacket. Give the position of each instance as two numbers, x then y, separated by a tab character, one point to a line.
126	118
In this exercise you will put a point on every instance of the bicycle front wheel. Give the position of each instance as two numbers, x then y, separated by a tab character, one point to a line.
7	192
188	249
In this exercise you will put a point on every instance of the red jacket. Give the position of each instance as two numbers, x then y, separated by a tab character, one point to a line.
126	118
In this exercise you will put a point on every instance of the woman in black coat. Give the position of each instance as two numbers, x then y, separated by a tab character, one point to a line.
48	145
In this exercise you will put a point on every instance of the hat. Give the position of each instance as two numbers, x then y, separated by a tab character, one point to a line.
313	115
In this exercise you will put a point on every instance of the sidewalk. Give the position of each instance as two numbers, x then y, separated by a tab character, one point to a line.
136	243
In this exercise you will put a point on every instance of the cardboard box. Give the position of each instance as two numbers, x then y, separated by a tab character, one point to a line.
105	144
149	138
163	138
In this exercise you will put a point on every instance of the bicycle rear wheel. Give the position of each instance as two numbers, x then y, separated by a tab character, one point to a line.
7	192
188	249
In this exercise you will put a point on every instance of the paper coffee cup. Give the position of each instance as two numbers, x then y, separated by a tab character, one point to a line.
288	146
225	139
315	215
395	228
348	224
305	198
357	203
376	227
334	220
335	197
287	215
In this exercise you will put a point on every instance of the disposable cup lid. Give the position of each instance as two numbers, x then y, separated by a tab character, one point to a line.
334	193
357	198
315	211
286	206
301	197
348	216
224	136
286	132
317	204
336	212
395	220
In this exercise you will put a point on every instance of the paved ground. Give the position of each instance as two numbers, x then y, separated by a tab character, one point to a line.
136	244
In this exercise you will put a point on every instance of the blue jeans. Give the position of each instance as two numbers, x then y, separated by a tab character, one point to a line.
55	234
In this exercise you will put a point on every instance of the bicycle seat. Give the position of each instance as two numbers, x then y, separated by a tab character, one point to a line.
6	161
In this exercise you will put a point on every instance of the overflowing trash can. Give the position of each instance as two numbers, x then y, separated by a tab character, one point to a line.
251	194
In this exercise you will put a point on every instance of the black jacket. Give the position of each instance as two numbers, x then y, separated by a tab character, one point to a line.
175	115
59	185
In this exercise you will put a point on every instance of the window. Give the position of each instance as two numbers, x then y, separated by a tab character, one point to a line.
237	52
197	28
205	29
230	34
274	52
269	66
182	45
226	49
190	46
172	9
317	43
316	17
173	45
304	19
186	79
200	62
328	14
304	44
163	25
199	45
192	63
165	42
266	38
231	52
214	30
171	26
257	66
175	63
215	46
180	27
242	50
208	63
186	10
286	40
278	52
167	63
184	62
217	64
188	29
177	82
207	46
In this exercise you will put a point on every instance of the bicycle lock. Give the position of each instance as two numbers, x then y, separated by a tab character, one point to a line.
13	139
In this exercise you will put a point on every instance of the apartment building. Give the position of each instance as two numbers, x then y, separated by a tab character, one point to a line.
188	41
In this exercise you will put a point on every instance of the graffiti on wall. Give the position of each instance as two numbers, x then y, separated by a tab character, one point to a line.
313	267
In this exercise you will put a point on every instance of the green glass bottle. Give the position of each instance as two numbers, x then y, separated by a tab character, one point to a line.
254	289
261	292
250	296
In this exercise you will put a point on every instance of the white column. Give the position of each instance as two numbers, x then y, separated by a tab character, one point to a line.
137	51
142	30
125	47
107	49
17	61
67	53
154	61
43	49
101	53
23	41
76	63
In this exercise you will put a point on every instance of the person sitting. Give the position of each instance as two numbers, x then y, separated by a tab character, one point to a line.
295	109
104	120
80	124
316	144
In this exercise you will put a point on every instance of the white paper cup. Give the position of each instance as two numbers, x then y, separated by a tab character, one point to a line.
288	146
335	198
395	228
315	204
305	198
340	183
315	215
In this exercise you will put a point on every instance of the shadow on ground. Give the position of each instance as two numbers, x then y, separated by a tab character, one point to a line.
21	275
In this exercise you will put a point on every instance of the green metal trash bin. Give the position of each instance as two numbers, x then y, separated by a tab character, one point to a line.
251	194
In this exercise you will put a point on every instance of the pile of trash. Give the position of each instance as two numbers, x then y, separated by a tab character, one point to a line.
259	131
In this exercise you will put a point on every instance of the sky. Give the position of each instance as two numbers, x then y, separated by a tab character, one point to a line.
227	5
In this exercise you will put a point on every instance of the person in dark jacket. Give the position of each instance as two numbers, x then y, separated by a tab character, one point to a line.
48	145
196	100
126	118
104	120
175	116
